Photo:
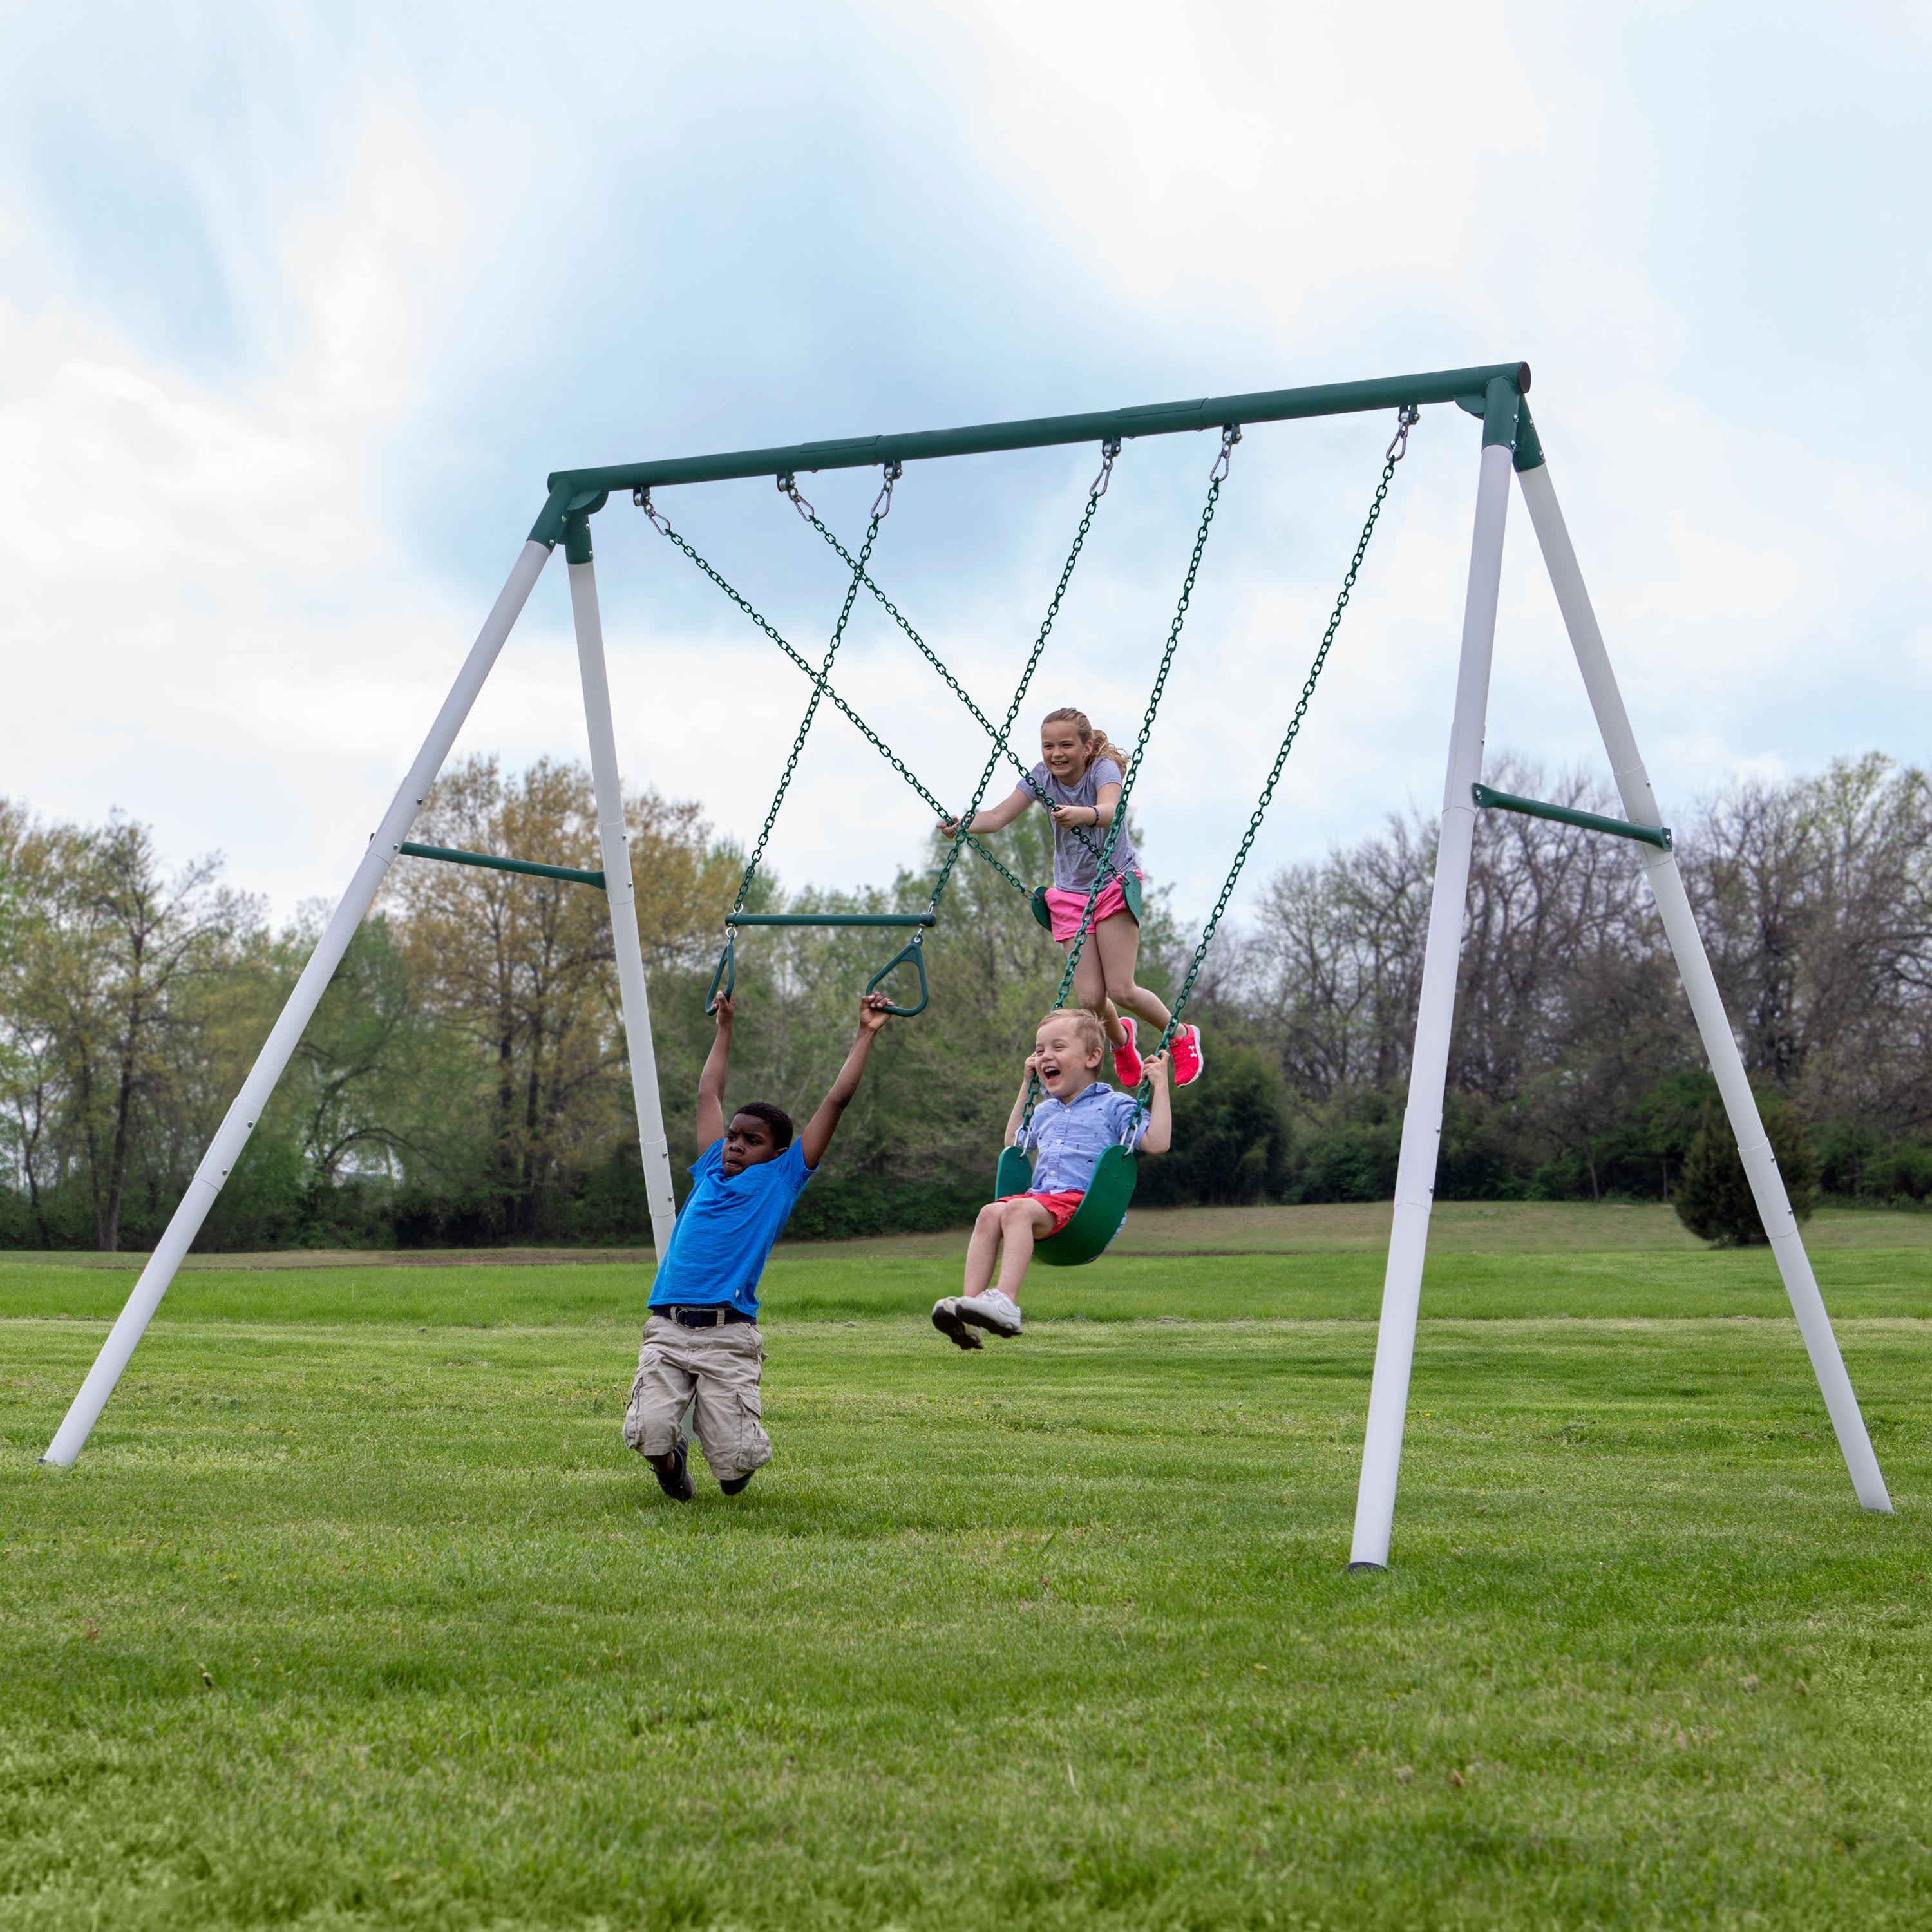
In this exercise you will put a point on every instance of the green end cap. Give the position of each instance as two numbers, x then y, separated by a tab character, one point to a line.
577	525
1528	444
548	528
1501	402
567	505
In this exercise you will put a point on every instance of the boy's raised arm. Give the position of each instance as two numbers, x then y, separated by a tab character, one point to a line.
711	1081
820	1129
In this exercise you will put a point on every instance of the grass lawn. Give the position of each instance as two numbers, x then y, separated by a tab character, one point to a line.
356	1611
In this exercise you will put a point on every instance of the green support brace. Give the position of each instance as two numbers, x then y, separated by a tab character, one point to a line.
1658	835
833	919
450	855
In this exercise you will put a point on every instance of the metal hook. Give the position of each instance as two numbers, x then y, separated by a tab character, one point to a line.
882	504
1110	448
1406	418
642	498
788	486
1231	434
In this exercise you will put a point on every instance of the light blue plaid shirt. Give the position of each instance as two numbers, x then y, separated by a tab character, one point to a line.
1067	1139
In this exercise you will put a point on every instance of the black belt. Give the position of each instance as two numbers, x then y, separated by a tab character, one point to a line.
716	1315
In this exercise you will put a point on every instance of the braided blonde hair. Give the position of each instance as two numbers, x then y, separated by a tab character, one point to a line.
1098	745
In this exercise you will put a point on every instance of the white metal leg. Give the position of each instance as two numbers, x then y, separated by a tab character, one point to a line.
621	891
1714	1026
233	1135
1422	1122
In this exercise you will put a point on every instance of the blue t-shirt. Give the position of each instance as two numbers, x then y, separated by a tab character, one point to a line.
725	1230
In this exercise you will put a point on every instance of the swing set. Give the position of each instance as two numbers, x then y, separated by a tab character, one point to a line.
1495	394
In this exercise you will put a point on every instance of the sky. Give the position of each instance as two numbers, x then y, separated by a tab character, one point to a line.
299	305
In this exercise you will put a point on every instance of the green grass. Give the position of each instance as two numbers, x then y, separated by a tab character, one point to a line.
356	1613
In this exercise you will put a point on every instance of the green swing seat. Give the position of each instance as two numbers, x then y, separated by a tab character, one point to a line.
1096	1221
1130	890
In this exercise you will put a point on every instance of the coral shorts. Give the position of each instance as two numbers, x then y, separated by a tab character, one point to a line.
1060	1206
1066	908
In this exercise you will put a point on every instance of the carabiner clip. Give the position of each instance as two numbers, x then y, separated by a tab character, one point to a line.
910	954
1110	448
642	498
1406	418
1231	434
882	504
788	486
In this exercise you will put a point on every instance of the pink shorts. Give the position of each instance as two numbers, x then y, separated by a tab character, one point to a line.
1060	1206
1066	908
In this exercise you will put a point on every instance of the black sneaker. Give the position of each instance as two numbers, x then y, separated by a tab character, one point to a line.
946	1319
736	1486
676	1483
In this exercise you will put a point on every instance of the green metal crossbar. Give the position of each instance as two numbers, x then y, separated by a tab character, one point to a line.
1658	835
577	493
833	919
450	856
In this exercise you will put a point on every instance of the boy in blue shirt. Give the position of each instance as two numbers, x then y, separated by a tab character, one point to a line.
1076	1123
702	1349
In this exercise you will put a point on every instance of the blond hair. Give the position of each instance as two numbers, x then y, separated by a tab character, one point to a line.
1097	744
1093	1034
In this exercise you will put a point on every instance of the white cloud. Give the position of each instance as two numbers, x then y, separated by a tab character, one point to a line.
231	603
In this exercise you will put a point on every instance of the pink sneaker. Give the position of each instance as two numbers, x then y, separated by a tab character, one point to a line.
1185	1056
1127	1068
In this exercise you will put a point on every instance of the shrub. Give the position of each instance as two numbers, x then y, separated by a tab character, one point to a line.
1231	1138
1353	1160
1713	1196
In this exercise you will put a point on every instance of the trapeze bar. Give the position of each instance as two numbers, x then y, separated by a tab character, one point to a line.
834	919
1658	835
578	490
450	857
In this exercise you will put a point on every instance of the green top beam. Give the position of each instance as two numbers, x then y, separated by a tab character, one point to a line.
576	494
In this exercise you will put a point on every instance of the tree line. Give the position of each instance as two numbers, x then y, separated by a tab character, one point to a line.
464	1081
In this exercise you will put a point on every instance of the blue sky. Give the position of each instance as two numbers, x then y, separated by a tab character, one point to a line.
297	307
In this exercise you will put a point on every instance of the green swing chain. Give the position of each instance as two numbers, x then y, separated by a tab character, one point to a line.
642	498
1406	418
818	690
1230	435
1109	450
1001	737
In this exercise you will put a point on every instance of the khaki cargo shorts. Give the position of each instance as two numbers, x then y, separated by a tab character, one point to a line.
721	1367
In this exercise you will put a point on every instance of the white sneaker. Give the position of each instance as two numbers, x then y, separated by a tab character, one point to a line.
992	1310
946	1319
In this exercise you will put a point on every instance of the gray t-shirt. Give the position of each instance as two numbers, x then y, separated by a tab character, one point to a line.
1076	852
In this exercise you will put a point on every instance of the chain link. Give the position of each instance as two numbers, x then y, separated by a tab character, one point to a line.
1406	418
1001	738
1111	450
819	688
1103	871
822	687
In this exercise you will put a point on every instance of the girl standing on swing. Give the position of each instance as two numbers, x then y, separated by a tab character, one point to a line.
1078	780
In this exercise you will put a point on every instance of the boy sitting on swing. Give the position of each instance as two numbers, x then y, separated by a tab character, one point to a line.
702	1350
1077	1122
